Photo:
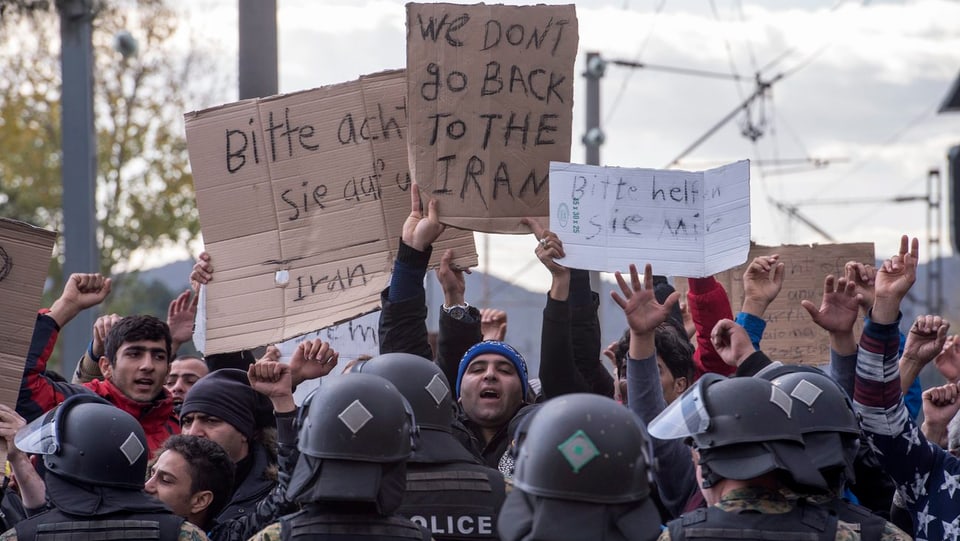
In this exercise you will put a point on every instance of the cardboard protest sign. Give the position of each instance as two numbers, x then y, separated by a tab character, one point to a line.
490	90
350	339
24	260
301	199
791	336
682	222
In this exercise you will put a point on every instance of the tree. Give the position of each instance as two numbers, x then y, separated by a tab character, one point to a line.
145	196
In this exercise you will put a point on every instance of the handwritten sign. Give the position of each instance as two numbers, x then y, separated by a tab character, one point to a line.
490	90
24	260
301	198
684	223
350	339
791	336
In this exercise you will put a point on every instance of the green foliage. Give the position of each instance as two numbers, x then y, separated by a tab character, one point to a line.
145	196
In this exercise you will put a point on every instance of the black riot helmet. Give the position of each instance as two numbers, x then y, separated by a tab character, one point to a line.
89	440
585	447
742	428
425	387
356	435
421	382
825	416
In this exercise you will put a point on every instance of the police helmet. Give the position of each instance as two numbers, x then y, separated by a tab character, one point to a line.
89	440
588	448
741	427
825	416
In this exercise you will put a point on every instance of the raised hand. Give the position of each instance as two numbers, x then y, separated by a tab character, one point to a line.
864	277
839	307
925	340
639	303
274	380
893	281
731	342
10	423
451	280
312	359
101	328
272	354
419	231
940	405
549	247
202	272
948	360
762	282
493	324
181	314
81	291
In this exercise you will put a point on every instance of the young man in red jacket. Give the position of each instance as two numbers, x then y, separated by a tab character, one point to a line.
135	363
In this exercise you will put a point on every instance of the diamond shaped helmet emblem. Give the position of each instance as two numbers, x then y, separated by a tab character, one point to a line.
806	392
781	399
355	416
437	389
132	448
578	450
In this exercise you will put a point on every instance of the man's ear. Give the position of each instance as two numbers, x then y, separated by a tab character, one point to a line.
105	367
200	501
680	384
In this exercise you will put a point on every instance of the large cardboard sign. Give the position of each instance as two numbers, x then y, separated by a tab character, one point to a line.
791	336
682	222
491	104
301	199
24	261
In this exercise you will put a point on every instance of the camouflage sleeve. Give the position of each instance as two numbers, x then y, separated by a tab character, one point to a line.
189	532
270	533
9	535
892	533
846	532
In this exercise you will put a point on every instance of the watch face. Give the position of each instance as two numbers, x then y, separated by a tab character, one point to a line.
457	312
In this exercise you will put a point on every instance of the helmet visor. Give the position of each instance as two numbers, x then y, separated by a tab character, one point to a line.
684	417
39	437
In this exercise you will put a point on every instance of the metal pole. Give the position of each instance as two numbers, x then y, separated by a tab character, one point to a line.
258	48
592	140
79	164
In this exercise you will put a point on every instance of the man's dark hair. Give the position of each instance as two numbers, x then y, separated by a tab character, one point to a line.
210	468
134	329
675	349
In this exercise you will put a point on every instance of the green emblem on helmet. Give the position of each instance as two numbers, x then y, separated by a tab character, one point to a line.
578	450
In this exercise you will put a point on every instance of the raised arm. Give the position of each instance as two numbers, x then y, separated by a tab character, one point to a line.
403	318
762	282
708	303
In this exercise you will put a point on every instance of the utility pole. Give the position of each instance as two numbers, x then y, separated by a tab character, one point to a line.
592	139
257	49
79	162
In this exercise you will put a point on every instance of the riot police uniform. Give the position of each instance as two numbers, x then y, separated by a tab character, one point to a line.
96	461
356	435
745	429
449	492
583	471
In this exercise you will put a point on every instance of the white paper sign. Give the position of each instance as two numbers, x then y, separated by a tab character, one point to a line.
684	223
352	339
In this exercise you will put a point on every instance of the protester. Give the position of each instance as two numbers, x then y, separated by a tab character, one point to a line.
134	365
184	373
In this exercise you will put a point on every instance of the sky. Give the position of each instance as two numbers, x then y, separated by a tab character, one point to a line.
860	88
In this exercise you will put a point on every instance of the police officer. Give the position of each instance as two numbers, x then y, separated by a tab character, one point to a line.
583	471
356	435
95	456
449	491
831	436
747	447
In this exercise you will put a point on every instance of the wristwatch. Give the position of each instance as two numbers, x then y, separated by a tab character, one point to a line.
457	311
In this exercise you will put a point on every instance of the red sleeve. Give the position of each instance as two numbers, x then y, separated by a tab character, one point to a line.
708	303
37	393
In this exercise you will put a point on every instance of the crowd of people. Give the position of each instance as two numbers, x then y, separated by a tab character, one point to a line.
692	431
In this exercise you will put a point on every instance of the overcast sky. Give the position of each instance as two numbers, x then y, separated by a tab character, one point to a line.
862	84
